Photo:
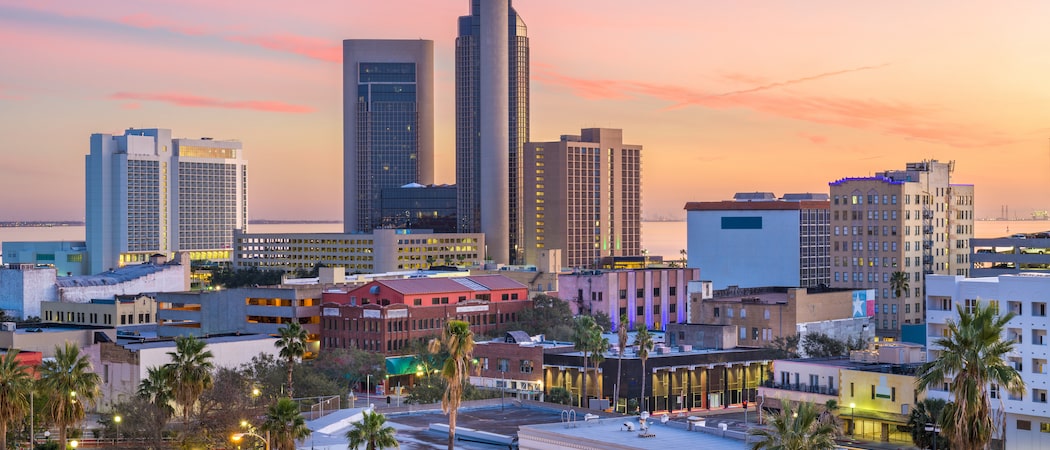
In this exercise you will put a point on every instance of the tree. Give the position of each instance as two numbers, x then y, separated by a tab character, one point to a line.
645	343
560	395
685	259
155	392
15	388
72	384
899	283
292	345
372	432
786	346
458	341
549	315
795	427
597	358
603	321
188	374
972	356
928	412
820	345
285	424
585	337
621	335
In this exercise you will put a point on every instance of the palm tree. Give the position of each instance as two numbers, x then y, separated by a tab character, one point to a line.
795	429
292	342
15	388
72	384
622	345
598	356
188	374
284	424
372	432
645	343
899	283
155	389
584	334
458	341
685	259
972	357
929	411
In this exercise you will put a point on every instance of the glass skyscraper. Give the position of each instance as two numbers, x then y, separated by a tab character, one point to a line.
468	122
388	114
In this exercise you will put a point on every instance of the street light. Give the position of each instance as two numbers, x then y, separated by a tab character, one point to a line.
74	443
936	430
116	420
236	438
852	419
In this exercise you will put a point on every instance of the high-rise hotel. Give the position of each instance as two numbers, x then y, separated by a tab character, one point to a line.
388	123
584	197
913	221
148	193
492	125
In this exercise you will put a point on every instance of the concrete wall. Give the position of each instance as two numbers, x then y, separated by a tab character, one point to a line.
745	257
22	291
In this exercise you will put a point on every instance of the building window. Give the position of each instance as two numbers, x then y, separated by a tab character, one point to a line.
743	333
526	366
640	311
718	312
504	365
672	291
1044	427
417	302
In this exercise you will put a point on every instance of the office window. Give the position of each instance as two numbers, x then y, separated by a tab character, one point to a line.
526	366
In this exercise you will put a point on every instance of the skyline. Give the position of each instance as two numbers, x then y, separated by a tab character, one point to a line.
761	97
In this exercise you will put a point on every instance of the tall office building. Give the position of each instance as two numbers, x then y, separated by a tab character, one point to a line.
388	123
486	156
584	197
912	221
147	193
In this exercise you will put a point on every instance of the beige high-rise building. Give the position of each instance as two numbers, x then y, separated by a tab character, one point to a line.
582	194
913	221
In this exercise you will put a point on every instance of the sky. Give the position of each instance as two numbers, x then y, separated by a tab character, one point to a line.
725	96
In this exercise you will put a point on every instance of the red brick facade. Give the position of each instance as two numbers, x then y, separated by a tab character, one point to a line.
386	316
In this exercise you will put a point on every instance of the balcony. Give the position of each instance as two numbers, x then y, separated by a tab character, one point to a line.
799	387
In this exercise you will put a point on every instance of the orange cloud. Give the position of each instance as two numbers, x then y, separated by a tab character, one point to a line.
816	139
195	101
892	118
320	49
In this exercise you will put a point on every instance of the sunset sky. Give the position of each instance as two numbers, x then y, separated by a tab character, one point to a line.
725	96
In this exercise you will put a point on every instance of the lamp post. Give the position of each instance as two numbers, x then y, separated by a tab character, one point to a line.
368	381
936	430
238	437
502	387
852	420
116	420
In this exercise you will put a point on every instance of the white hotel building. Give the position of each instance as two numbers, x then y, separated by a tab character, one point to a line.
147	193
1026	295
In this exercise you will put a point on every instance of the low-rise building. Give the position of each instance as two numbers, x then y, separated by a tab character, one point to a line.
382	250
23	287
385	316
118	311
874	389
1022	252
69	258
247	310
678	378
763	314
123	365
46	337
654	296
512	364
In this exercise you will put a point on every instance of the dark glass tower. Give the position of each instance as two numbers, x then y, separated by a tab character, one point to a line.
388	115
468	124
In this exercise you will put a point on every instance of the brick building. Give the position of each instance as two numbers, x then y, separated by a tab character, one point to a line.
512	363
384	316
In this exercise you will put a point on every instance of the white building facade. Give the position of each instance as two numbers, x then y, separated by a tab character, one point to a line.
1026	295
768	242
148	193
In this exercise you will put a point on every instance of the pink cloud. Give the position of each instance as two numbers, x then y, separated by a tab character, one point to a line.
909	121
195	101
131	105
320	49
149	21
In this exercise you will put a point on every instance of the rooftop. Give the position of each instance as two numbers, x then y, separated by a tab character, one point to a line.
610	433
112	277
